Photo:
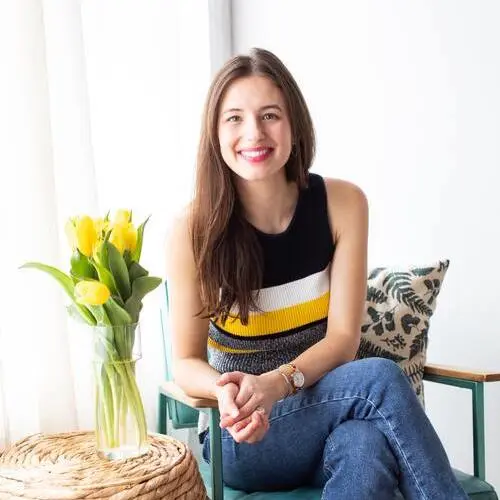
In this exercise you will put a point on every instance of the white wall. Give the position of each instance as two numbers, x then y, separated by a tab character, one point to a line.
406	101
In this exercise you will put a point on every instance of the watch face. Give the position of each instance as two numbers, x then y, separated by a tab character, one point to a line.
298	379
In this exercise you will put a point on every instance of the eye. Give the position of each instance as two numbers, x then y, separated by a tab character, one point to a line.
233	118
270	116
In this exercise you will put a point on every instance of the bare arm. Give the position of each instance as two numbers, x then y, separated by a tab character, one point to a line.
348	212
189	331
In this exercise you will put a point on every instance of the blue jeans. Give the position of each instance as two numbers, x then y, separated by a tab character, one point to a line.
359	432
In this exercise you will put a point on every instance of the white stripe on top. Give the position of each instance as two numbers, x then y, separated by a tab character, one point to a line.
293	293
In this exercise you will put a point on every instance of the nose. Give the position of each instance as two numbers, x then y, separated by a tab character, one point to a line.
254	130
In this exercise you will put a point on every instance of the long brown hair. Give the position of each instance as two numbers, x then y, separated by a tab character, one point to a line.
226	250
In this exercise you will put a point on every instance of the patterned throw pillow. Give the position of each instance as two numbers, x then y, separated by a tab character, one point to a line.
399	305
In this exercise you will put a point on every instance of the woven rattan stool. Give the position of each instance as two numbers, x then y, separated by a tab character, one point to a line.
67	467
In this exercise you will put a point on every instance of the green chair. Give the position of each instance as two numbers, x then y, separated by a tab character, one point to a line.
183	412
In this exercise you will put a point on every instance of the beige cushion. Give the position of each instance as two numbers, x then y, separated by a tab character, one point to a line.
399	305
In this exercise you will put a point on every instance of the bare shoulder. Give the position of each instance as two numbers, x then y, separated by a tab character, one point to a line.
347	204
340	191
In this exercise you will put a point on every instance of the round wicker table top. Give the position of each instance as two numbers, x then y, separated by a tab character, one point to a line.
66	467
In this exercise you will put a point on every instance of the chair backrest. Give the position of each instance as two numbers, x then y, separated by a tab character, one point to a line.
182	416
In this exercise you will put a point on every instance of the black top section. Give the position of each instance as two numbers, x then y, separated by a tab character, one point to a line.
306	246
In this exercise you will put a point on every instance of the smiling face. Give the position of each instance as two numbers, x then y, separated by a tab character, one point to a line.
254	129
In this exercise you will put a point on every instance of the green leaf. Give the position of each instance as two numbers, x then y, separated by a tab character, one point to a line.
67	283
100	315
116	314
119	270
136	254
127	257
134	308
74	313
81	266
140	288
106	277
102	253
136	271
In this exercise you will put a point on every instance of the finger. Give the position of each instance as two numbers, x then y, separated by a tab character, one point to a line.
227	405
228	377
256	431
234	429
261	431
245	394
250	406
229	409
238	426
257	436
229	419
248	431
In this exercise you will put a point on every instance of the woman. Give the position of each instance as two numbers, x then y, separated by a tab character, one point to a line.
267	272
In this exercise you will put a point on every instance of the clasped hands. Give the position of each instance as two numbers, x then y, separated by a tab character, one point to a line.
245	402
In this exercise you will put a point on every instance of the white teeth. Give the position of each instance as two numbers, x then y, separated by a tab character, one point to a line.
255	154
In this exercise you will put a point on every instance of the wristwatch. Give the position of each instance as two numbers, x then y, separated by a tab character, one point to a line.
294	376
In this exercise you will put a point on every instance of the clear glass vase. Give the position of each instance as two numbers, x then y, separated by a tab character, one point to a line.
120	422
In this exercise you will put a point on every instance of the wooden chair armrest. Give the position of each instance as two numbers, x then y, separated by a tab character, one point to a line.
462	373
172	390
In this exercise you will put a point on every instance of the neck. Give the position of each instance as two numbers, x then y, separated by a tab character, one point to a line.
269	204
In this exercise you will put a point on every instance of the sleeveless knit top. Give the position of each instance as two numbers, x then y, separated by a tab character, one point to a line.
293	302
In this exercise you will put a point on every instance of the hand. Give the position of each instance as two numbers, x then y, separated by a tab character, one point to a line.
251	429
254	392
226	396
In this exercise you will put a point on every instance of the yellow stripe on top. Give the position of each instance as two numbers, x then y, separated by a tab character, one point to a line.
215	345
281	320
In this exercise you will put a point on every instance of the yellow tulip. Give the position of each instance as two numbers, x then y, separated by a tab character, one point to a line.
91	293
131	238
118	236
124	237
70	231
122	217
86	235
101	226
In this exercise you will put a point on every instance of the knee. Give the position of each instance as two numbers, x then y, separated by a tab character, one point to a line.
383	369
360	440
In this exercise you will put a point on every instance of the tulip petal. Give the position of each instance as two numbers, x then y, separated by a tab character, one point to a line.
92	293
86	235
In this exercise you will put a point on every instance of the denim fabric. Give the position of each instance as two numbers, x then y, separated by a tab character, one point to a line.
360	432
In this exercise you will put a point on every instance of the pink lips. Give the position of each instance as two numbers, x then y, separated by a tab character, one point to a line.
256	155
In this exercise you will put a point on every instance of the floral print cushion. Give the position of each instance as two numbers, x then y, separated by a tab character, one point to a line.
399	305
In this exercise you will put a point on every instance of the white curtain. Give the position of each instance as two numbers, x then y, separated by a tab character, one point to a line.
100	109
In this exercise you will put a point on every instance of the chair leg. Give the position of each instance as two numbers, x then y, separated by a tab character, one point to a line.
478	430
162	414
216	455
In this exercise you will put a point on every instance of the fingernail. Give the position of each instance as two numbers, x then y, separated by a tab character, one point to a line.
234	413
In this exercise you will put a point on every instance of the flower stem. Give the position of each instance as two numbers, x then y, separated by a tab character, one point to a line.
117	390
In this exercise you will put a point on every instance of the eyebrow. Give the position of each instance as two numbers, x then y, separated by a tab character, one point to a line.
264	108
